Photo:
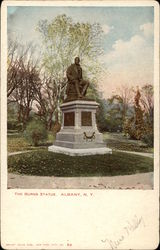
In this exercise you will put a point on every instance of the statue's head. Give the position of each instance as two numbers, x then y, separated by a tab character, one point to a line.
77	60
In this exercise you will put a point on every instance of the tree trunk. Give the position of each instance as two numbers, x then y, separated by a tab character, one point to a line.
49	125
27	113
19	114
56	116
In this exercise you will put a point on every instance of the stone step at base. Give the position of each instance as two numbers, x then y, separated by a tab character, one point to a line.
80	152
76	145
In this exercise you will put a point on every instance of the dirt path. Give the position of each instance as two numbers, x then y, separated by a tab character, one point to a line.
137	181
123	151
19	152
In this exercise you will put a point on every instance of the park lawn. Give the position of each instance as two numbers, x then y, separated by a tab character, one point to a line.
120	142
17	142
44	163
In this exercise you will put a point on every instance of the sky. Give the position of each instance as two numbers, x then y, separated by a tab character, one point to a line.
128	40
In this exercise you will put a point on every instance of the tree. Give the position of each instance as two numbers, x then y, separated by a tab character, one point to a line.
135	127
23	79
147	102
13	66
46	99
139	121
124	99
63	40
120	107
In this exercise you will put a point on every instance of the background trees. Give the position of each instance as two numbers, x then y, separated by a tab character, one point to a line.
119	107
147	102
46	97
64	40
140	124
13	66
37	85
23	78
40	85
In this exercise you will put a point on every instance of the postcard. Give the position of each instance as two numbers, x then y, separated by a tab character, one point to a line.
80	124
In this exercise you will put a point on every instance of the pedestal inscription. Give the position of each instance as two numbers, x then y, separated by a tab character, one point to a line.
86	118
69	119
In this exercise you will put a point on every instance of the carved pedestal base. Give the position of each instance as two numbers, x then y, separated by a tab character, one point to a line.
79	134
80	152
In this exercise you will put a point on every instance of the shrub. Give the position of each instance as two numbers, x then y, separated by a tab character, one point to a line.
148	139
14	125
35	132
113	125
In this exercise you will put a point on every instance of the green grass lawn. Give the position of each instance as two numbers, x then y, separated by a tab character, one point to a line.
17	142
44	163
120	142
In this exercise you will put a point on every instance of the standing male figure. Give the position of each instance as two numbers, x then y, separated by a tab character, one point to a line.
74	75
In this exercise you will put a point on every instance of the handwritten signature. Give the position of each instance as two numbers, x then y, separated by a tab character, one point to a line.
130	227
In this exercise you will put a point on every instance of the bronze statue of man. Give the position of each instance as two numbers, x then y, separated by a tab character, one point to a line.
74	76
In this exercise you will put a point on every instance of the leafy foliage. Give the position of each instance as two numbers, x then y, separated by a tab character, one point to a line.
120	107
63	40
12	123
35	132
148	138
140	126
17	142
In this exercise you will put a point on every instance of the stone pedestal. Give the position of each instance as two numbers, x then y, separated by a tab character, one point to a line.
79	134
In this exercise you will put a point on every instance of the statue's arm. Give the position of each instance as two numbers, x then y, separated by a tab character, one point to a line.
70	74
